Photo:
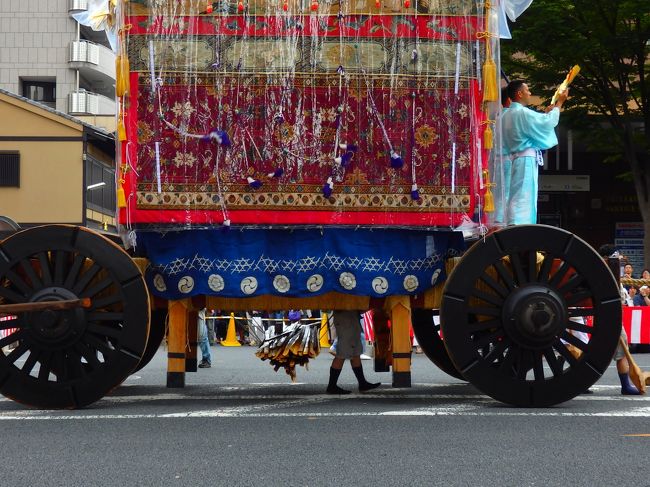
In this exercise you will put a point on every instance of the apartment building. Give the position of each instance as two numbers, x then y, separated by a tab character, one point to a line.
46	56
57	111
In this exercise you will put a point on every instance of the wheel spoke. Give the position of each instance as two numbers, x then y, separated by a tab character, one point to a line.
59	266
44	369
545	269
74	271
28	268
97	288
562	350
497	351
105	301
552	361
18	352
86	278
487	338
75	367
573	340
17	281
505	276
496	287
575	312
11	296
62	373
483	325
46	274
579	297
532	265
14	337
507	364
104	331
105	316
88	354
538	368
573	282
560	273
9	324
523	361
98	345
574	325
517	268
484	311
487	297
28	366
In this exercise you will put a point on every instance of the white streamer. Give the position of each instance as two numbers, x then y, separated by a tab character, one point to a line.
453	167
457	78
157	145
152	67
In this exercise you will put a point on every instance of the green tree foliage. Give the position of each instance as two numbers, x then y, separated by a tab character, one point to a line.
610	40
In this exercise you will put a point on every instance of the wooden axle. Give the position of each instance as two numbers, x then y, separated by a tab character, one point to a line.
8	309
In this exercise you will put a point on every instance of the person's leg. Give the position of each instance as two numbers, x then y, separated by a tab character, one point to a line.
522	204
357	368
623	369
335	372
206	357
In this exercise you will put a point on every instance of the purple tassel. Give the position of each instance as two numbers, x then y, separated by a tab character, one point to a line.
396	161
346	158
253	183
219	135
277	173
415	194
340	70
328	187
349	147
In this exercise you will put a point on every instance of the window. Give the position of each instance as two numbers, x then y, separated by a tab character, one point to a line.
10	169
100	197
40	91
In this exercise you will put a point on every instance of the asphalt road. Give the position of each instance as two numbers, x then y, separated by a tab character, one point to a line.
241	423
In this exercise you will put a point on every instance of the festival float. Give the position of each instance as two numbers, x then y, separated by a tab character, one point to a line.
306	154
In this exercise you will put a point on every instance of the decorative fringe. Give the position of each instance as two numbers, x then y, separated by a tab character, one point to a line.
396	161
328	187
254	183
488	136
415	193
226	223
277	173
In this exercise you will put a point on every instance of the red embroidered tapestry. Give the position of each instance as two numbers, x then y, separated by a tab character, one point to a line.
348	118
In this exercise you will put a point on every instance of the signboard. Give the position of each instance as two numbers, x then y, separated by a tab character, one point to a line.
564	182
628	238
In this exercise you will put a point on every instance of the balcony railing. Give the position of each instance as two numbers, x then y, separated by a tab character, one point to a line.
78	5
84	52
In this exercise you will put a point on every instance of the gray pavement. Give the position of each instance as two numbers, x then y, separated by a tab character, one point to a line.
241	423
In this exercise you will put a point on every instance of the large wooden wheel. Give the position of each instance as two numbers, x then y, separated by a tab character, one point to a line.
67	355
157	328
428	335
531	315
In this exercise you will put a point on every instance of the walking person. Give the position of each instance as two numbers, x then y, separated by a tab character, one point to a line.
204	344
348	346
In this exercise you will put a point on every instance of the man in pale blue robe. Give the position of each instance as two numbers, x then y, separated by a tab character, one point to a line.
525	134
502	172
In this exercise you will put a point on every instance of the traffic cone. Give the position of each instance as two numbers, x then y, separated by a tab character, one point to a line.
324	332
231	335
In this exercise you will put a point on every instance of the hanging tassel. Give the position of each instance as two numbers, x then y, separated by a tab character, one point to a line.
346	158
254	183
220	136
277	173
121	197
415	193
349	147
490	92
122	75
488	199
328	187
488	136
396	161
121	129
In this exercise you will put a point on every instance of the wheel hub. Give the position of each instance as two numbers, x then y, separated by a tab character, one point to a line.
534	315
55	327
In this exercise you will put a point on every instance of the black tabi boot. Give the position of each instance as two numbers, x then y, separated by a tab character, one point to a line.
332	388
364	385
627	388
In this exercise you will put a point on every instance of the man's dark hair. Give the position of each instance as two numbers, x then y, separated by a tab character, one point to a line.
504	95
606	250
513	87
